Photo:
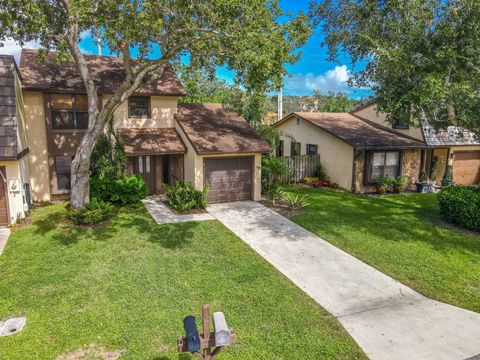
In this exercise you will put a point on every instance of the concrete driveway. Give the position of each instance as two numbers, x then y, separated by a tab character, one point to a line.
387	319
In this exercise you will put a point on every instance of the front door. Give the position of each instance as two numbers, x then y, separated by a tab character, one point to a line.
145	167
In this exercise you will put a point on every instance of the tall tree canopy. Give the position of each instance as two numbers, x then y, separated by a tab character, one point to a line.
243	35
422	56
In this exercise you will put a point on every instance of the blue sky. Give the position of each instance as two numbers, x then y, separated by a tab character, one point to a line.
311	72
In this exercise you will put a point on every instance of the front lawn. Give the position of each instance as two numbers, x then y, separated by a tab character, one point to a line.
402	236
125	287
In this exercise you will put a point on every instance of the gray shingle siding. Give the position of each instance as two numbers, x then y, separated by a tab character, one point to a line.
8	109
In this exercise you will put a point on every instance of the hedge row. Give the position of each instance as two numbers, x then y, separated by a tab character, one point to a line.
460	205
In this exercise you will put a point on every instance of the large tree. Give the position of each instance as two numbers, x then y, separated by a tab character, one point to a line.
243	35
422	56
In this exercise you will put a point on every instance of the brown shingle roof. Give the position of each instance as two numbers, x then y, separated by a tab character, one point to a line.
359	133
212	130
158	141
107	72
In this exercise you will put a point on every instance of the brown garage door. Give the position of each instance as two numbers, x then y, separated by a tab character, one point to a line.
228	179
3	198
466	167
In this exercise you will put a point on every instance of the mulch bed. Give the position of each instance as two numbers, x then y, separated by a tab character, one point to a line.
280	207
188	212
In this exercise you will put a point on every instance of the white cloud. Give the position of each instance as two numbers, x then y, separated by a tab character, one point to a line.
332	80
11	47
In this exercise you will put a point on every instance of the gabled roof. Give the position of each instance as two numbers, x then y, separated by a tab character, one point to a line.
107	73
155	141
213	130
8	109
453	136
357	132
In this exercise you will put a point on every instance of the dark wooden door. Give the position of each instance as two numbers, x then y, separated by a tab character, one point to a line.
228	179
145	167
466	167
3	197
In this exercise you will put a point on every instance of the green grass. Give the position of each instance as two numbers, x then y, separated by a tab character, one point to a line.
127	286
402	236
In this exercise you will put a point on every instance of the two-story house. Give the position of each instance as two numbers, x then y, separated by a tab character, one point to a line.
357	147
15	197
164	141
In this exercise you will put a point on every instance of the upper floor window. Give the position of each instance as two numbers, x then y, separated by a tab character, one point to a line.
401	123
69	111
139	106
401	119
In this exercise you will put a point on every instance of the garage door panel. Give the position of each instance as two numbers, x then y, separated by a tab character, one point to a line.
228	179
466	167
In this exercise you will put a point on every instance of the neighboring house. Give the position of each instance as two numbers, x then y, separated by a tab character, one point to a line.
354	151
15	197
164	142
455	146
358	146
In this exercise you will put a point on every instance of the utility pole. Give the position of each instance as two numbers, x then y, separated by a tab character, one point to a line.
96	34
280	104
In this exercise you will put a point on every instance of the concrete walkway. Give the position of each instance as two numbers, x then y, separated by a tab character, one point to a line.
163	215
4	235
387	319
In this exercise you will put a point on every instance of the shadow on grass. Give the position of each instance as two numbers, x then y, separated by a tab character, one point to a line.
406	218
170	236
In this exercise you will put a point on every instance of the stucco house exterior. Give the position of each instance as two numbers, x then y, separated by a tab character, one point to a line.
44	115
353	150
358	146
15	197
453	146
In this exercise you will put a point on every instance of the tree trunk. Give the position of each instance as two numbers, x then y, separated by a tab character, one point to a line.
80	195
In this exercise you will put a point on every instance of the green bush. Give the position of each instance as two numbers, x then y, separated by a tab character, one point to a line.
122	191
296	202
94	212
460	204
183	196
321	173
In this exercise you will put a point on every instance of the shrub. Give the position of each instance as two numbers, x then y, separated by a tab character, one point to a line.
423	178
183	196
273	168
274	192
310	180
94	212
460	204
108	157
448	176
434	170
124	190
296	202
321	173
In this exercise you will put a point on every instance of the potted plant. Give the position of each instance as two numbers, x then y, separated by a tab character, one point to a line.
382	184
424	185
434	171
448	176
399	184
